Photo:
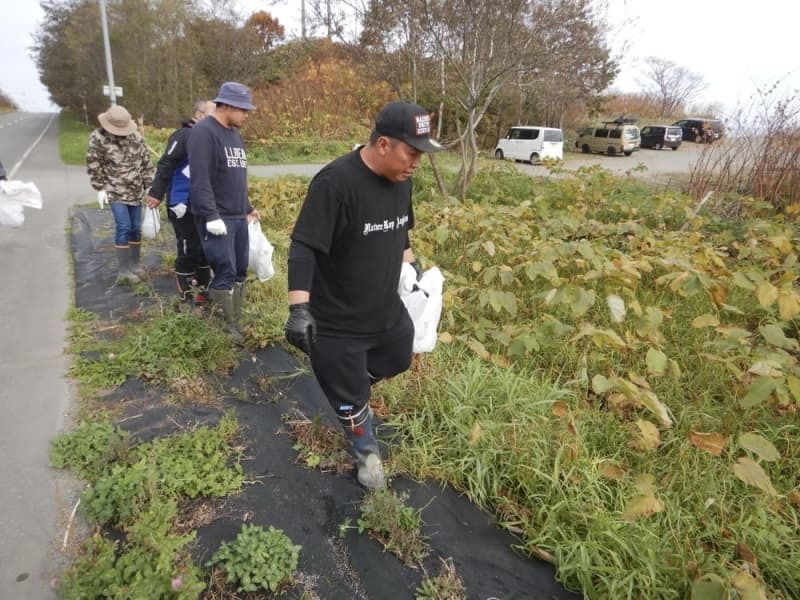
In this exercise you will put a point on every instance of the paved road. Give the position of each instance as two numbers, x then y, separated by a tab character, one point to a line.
34	393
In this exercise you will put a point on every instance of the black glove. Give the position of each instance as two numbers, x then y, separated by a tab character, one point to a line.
300	328
417	268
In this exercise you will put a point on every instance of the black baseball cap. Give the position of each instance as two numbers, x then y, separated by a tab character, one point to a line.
408	122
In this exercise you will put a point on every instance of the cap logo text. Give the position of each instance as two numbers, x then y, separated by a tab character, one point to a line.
422	124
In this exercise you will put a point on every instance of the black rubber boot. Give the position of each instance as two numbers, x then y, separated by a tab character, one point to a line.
357	425
224	299
185	281
203	278
136	259
124	273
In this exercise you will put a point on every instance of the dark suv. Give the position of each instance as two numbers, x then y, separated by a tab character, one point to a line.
661	136
701	130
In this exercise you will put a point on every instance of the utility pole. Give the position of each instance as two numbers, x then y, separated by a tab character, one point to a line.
109	68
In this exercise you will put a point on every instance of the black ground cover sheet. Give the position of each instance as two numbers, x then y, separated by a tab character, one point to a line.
308	505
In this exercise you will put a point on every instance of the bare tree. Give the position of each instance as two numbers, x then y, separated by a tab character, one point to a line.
671	84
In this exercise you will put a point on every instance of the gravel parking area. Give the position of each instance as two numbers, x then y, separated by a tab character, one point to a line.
664	164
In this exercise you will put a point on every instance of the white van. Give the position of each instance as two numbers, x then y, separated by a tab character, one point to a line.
531	143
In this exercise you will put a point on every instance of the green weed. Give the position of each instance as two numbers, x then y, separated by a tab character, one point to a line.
258	559
447	585
90	449
397	526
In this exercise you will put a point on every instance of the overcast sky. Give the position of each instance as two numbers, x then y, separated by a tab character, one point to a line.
737	47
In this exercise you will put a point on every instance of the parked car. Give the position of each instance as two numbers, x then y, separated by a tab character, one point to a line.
661	136
700	129
610	138
531	143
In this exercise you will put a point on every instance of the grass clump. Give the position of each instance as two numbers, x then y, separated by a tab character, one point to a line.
386	517
258	559
165	350
319	446
447	585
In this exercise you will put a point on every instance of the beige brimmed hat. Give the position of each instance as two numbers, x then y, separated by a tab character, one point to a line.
117	120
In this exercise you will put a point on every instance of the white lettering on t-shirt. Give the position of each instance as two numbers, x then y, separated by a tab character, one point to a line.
386	225
236	157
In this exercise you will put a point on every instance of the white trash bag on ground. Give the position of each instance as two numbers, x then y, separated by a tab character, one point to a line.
14	196
423	301
260	252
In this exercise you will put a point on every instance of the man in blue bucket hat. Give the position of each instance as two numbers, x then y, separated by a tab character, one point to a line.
218	189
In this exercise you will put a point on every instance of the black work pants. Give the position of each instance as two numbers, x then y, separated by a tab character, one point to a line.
345	366
190	255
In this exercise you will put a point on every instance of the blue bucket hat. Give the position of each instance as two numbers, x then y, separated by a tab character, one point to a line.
235	94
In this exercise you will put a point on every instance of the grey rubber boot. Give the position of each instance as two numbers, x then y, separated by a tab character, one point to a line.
238	299
224	299
124	273
358	428
136	259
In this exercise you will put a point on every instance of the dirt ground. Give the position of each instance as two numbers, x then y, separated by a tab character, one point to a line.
308	505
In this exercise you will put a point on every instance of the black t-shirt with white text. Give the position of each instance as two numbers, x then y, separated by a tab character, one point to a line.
357	224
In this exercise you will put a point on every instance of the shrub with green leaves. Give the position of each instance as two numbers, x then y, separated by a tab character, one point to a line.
90	449
151	563
184	465
258	559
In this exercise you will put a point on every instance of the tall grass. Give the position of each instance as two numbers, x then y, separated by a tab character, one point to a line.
760	158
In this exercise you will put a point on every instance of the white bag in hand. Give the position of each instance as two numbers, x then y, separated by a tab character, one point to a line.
260	252
423	301
151	224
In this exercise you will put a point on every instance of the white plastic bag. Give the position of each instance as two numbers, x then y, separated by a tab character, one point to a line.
22	192
14	196
423	301
260	253
151	224
11	213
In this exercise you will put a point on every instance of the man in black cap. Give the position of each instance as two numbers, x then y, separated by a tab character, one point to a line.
218	189
347	248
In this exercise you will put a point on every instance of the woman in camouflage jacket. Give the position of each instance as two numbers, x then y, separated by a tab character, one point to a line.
120	170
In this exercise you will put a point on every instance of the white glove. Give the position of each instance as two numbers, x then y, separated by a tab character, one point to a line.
179	210
102	198
216	227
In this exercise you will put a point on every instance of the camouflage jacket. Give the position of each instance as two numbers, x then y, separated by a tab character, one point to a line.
120	165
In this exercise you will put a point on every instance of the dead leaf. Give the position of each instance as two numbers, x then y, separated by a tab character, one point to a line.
749	587
794	499
751	473
560	409
649	437
766	293
611	470
475	434
746	554
760	446
713	443
642	506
